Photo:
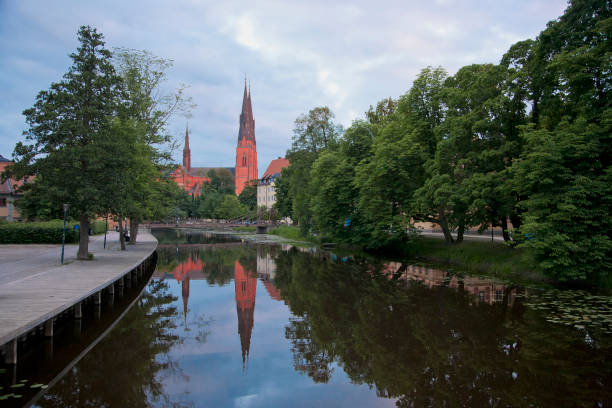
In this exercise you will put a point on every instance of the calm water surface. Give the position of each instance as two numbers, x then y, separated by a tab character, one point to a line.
224	323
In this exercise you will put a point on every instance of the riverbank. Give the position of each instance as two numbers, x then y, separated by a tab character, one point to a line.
491	258
35	287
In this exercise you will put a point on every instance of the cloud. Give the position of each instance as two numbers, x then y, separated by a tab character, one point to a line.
297	55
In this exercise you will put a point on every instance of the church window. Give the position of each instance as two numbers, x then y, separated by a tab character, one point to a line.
244	160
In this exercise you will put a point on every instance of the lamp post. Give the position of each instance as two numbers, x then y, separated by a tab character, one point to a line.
64	233
105	231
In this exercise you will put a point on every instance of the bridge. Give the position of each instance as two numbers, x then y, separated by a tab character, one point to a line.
260	227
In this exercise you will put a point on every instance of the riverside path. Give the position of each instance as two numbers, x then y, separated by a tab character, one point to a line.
35	287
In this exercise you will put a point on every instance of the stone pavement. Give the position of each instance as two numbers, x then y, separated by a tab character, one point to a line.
35	287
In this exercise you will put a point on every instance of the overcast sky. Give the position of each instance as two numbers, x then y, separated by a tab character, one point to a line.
296	54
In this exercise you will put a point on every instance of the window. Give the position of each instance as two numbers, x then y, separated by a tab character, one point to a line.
499	296
481	296
243	286
2	202
244	159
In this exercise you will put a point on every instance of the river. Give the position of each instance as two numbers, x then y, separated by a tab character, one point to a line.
227	322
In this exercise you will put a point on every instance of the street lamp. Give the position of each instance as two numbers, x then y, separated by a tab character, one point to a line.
64	232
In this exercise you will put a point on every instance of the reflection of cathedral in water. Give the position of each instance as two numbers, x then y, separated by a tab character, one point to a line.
246	290
245	287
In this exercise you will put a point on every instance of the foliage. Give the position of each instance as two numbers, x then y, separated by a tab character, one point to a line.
68	126
248	196
48	232
525	142
289	232
229	207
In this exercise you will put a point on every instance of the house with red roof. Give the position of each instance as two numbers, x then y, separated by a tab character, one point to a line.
266	195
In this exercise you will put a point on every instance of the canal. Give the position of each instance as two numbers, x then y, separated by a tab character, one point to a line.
227	322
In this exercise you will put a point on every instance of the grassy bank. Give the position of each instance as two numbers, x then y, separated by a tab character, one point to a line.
290	232
491	258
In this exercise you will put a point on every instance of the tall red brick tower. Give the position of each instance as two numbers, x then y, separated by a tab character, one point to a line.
246	151
187	152
246	290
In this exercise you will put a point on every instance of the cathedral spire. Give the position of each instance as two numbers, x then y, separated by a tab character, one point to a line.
246	151
187	151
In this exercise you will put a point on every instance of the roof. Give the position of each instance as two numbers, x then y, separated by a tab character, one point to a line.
275	167
3	159
203	171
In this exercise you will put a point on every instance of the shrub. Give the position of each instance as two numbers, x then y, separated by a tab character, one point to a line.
48	232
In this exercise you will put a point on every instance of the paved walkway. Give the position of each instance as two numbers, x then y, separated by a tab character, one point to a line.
35	287
466	237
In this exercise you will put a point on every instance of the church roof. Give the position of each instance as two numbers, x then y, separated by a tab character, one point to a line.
3	159
203	171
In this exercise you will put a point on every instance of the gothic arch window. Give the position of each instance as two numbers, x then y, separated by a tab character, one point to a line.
243	159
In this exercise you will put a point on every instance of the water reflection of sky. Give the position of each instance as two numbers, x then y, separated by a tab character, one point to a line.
211	374
260	325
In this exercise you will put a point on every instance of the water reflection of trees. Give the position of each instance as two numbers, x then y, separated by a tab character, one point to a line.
128	367
430	346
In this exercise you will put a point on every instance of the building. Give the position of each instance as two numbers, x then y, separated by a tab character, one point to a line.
246	151
192	179
9	194
266	195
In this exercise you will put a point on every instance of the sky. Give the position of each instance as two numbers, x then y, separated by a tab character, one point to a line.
296	55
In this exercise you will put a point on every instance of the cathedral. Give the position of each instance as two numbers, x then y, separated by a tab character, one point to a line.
191	179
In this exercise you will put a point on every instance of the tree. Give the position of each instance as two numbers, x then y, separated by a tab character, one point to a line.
248	196
230	207
148	108
384	110
67	126
564	170
315	130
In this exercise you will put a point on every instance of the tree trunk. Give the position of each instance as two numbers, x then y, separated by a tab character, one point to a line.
515	219
460	231
504	225
83	237
133	231
444	225
121	237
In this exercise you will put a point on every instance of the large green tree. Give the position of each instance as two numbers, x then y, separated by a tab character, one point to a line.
564	170
147	109
67	127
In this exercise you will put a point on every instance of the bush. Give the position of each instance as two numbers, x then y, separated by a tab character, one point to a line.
291	232
98	226
47	232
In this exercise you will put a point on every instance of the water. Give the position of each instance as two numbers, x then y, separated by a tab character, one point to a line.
225	323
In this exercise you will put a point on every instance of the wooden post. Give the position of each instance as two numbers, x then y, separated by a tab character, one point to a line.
78	313
98	298
49	328
49	349
98	311
10	352
77	328
111	289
